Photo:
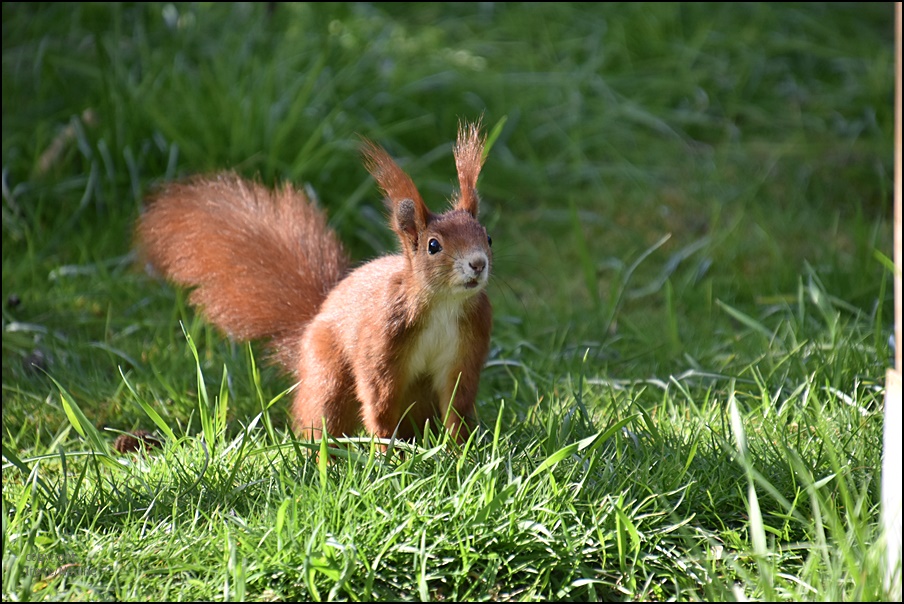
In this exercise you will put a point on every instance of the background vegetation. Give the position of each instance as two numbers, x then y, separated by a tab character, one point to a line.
690	210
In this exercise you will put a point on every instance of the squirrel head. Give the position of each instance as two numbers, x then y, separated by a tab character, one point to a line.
449	252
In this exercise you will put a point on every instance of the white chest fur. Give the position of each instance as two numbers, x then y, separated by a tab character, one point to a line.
436	347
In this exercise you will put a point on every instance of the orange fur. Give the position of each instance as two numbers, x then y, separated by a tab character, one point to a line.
383	346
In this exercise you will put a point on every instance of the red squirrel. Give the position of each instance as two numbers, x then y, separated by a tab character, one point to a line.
391	345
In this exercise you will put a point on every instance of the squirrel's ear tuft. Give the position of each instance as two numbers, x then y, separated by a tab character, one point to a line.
468	161
409	213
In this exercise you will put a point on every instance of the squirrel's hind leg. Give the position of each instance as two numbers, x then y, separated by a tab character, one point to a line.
326	392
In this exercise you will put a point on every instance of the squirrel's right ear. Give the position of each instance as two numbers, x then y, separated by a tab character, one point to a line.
468	161
410	214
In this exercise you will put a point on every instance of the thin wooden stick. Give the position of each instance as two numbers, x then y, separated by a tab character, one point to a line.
899	344
891	463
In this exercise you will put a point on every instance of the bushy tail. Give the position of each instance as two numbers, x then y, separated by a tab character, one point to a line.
260	261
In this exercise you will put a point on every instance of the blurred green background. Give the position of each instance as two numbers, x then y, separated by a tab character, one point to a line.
656	160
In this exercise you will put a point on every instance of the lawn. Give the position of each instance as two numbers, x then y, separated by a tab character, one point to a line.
690	207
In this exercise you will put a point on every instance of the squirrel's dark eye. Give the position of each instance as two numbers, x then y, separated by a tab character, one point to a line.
433	247
489	241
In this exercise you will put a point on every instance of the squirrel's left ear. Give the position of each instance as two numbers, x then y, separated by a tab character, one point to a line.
468	161
410	214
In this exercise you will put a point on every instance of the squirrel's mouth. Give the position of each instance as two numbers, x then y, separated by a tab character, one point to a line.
473	283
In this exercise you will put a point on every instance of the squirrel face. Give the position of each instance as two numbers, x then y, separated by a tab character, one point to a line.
453	255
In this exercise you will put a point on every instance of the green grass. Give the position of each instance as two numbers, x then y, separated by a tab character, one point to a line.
689	205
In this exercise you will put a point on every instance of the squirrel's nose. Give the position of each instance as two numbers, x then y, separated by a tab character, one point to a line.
478	264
